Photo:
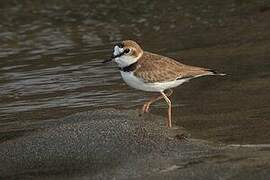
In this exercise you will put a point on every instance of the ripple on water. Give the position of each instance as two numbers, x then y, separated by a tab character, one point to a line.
50	58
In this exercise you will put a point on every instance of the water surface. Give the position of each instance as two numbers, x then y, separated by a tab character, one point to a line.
51	53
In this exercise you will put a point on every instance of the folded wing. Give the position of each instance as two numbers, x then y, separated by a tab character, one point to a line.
156	68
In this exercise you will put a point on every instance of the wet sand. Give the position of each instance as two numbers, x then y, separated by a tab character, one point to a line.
50	56
113	144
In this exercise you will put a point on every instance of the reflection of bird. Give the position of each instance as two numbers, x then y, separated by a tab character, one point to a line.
152	72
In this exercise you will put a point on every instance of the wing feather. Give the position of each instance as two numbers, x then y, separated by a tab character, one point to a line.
156	68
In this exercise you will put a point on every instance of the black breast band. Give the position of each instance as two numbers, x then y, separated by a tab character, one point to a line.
129	68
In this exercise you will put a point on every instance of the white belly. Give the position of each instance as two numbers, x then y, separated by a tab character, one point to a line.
137	83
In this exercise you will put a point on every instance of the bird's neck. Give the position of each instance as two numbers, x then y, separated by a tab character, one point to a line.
130	67
124	61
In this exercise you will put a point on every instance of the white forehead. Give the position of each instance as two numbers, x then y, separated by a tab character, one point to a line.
117	50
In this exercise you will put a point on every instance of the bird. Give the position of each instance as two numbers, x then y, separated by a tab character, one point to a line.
152	72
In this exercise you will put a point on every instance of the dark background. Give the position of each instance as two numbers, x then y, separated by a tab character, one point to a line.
50	54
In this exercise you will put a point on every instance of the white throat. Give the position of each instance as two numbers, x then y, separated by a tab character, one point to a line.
124	60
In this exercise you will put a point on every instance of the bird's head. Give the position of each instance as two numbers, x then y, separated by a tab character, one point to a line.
125	53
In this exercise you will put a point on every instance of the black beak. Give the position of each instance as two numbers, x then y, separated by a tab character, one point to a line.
120	45
107	60
113	56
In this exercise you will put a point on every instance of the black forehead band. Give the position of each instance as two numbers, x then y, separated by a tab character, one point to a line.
120	45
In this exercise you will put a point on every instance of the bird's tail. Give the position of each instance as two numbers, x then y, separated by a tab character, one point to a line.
215	73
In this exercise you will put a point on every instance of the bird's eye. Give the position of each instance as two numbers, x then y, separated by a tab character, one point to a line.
127	50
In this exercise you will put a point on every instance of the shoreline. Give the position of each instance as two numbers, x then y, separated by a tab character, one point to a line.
110	143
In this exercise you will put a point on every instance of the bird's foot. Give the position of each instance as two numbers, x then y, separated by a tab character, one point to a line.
145	109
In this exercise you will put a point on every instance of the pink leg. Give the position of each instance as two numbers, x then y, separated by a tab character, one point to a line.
146	105
169	122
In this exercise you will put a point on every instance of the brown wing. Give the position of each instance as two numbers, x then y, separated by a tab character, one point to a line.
155	68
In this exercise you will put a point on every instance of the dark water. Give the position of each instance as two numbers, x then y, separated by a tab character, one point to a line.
50	56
